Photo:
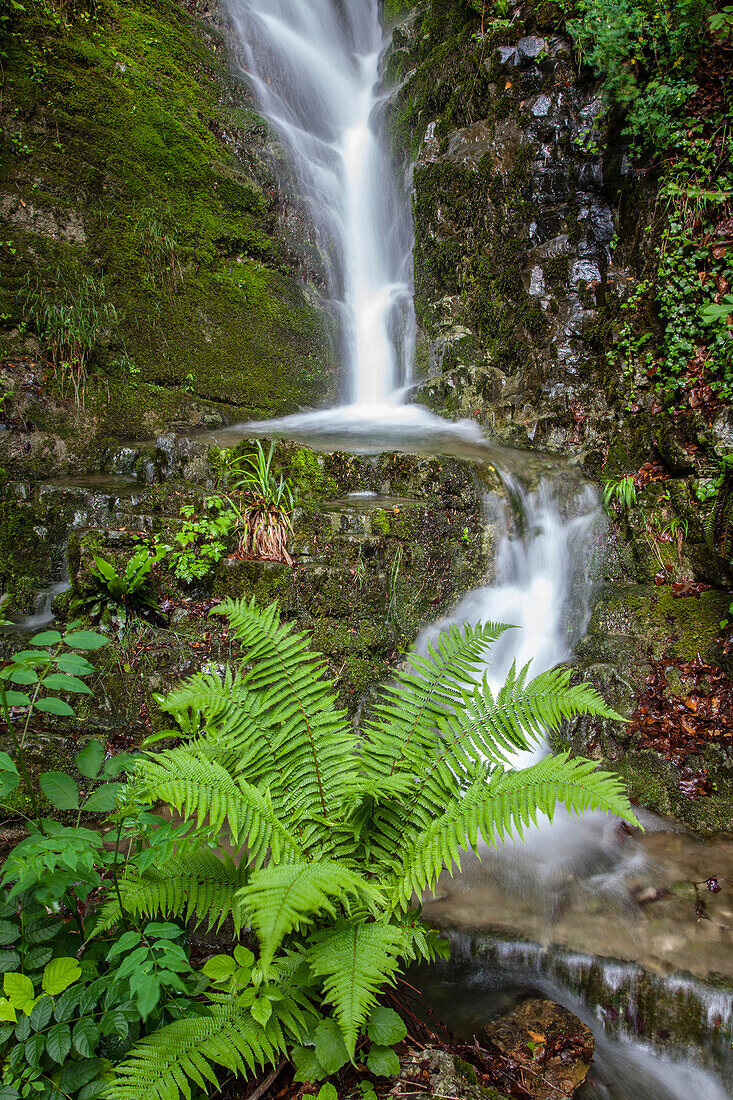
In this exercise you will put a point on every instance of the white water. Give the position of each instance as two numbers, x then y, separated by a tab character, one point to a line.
314	67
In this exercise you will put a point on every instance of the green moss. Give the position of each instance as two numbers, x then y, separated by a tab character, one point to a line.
125	118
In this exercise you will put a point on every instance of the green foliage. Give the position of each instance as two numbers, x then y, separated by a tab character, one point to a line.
72	320
646	52
201	540
119	595
334	835
263	502
619	494
721	23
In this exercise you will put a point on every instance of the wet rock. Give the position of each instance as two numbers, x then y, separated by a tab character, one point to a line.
442	1074
550	1045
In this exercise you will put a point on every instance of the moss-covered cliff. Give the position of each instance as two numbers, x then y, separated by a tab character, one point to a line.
142	214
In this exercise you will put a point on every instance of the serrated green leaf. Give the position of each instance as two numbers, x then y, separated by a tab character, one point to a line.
46	637
261	1010
90	759
75	1075
114	1023
59	974
123	762
41	1013
37	958
58	1042
34	1048
330	1046
7	1092
327	1091
7	1012
51	705
23	1028
19	991
65	681
9	932
385	1027
60	790
85	639
66	1004
382	1061
9	960
85	1037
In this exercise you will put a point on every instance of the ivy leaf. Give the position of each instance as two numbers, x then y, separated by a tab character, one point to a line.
104	799
385	1026
307	1066
330	1046
60	790
59	974
383	1061
47	637
64	681
91	758
54	706
85	639
58	1042
85	1037
19	991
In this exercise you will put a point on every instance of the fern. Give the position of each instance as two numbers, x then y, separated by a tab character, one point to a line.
355	959
279	899
336	835
158	1067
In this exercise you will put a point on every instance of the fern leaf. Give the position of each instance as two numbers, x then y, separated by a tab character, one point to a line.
200	887
501	805
199	787
403	722
158	1066
280	899
315	746
355	959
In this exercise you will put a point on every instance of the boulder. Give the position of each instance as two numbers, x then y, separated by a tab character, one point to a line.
551	1048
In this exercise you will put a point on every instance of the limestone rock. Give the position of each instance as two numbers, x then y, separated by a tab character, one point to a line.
552	1047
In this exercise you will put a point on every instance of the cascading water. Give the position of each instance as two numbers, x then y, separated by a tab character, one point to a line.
313	65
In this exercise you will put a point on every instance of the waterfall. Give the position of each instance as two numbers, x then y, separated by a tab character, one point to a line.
314	68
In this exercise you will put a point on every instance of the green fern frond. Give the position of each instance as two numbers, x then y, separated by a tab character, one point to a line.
200	887
355	959
280	899
200	788
158	1067
408	710
498	806
315	745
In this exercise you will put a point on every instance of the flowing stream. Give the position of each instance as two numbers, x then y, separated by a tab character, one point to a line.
314	68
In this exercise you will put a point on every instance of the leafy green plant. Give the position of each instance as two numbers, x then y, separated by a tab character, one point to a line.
335	835
201	541
71	318
721	23
264	518
119	595
646	52
619	494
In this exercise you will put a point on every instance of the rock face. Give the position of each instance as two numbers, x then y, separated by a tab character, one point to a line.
551	1048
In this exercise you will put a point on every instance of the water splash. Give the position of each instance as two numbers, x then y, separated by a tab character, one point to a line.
314	68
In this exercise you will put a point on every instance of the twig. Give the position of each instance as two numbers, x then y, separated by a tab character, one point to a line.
269	1080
